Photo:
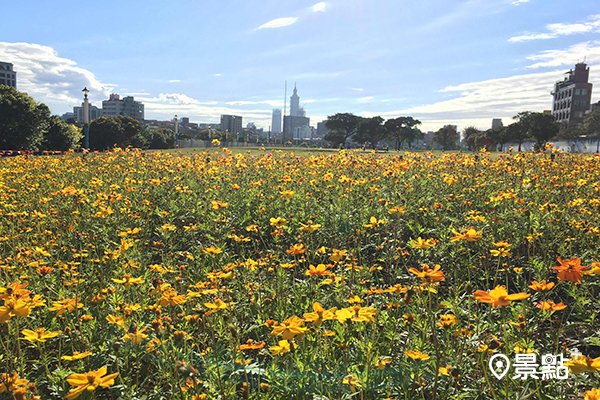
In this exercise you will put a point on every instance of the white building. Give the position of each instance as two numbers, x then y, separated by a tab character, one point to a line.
295	103
128	107
276	121
8	76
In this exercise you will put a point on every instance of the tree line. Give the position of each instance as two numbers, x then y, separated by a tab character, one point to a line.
527	126
28	125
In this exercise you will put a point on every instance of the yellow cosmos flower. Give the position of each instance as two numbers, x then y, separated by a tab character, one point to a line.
283	347
356	313
470	235
39	335
212	250
127	281
287	194
593	394
278	222
76	356
89	381
290	328
498	296
374	222
580	363
319	315
65	305
9	383
309	227
417	355
218	305
352	382
421	243
135	337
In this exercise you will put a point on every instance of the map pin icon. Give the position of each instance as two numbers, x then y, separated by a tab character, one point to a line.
499	362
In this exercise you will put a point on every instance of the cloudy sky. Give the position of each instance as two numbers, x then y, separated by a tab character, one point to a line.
442	61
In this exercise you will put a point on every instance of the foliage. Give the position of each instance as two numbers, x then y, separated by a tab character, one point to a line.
403	129
107	132
518	132
370	130
446	137
340	127
163	139
539	126
591	125
61	136
23	121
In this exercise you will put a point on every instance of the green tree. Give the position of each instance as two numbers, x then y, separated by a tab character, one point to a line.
591	126
370	130
446	137
403	129
517	132
472	137
341	127
23	121
498	136
541	127
61	135
163	139
106	132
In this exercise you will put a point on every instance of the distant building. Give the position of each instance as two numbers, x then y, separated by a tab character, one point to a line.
294	103
572	96
291	123
497	123
231	123
276	121
67	115
94	112
128	107
321	129
301	112
8	76
216	127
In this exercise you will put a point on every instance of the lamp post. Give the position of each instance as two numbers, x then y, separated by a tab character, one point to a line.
86	118
176	133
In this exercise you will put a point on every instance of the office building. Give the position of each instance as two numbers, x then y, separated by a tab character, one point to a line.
94	112
127	106
231	124
8	76
294	103
276	121
291	124
321	129
572	96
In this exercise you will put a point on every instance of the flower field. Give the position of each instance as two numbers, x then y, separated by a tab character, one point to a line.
129	275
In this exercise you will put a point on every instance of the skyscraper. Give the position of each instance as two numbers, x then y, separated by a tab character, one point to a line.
572	96
294	103
231	123
276	121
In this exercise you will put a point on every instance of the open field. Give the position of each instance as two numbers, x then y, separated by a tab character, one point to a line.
298	275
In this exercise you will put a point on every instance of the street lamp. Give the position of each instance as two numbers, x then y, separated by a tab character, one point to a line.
86	118
176	133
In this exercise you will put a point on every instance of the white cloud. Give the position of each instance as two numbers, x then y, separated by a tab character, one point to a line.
561	29
49	78
217	74
357	89
519	2
278	23
574	54
319	7
478	102
174	80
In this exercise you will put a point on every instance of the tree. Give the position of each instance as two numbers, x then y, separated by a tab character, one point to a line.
23	121
403	129
541	127
61	135
472	137
591	126
370	130
162	139
446	137
517	132
498	136
341	127
106	132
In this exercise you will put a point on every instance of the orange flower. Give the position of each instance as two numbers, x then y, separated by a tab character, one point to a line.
498	296
549	305
296	249
470	235
541	286
429	275
319	270
570	270
251	346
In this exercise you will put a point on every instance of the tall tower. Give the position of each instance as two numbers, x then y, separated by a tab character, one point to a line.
294	102
276	121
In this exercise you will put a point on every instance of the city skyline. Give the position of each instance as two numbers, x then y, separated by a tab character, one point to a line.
460	62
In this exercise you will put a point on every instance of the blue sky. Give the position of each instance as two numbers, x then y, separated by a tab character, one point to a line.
441	61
